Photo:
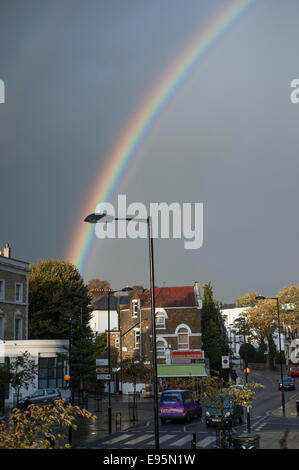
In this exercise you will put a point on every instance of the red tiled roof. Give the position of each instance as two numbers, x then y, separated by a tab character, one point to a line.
169	297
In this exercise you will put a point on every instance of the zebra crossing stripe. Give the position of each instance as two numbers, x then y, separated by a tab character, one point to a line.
162	439
139	439
118	439
206	441
182	441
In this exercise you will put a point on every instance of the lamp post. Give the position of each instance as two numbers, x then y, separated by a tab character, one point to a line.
71	322
110	292
94	218
261	297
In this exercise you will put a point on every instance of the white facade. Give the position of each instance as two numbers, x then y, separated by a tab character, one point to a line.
230	315
99	321
37	349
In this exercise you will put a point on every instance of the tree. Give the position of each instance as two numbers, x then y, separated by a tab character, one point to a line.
57	294
39	426
215	392
22	371
97	288
247	300
247	352
133	370
214	338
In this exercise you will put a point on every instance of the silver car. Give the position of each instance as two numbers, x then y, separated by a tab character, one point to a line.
41	397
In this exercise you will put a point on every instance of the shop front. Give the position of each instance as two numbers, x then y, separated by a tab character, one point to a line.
181	376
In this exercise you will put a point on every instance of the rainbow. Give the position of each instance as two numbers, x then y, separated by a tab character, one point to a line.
110	176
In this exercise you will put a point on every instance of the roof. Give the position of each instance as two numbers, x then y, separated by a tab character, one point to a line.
181	370
170	297
115	301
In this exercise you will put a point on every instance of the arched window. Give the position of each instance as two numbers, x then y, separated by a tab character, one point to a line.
183	337
161	348
160	320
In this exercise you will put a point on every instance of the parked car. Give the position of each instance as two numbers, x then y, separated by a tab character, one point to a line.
288	384
229	414
179	404
294	371
41	397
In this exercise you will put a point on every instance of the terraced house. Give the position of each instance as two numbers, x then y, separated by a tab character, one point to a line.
178	331
14	276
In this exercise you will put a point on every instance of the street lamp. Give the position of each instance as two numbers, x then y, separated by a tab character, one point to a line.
94	218
261	297
111	292
72	323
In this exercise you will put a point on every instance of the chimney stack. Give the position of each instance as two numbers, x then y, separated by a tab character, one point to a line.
197	294
7	251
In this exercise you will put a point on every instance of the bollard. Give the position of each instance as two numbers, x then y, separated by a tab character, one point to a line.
297	407
193	442
118	420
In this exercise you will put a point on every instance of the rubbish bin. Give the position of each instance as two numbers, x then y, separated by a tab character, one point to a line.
297	407
246	441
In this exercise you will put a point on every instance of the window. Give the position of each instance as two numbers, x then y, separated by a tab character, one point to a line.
1	326
2	289
18	327
51	371
160	349
18	292
137	339
160	320
183	338
135	305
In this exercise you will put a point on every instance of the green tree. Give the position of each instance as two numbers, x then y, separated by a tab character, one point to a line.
22	372
57	294
214	338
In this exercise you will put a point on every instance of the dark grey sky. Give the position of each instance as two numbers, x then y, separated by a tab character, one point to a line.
76	71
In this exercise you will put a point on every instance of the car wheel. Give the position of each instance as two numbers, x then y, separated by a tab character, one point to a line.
163	420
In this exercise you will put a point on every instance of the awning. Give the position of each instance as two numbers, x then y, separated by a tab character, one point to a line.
181	370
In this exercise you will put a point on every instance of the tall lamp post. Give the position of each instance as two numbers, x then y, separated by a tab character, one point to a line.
261	297
93	219
111	292
72	323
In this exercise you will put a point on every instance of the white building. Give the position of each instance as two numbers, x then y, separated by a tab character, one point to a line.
99	315
50	356
230	314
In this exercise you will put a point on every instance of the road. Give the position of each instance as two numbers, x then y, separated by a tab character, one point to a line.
178	435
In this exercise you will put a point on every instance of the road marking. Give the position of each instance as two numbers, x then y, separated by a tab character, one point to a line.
162	439
182	441
118	439
139	439
205	442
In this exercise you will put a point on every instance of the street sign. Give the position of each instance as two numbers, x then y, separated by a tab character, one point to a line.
225	362
102	362
103	377
102	370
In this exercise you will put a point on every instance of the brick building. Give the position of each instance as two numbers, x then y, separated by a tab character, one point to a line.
14	275
178	330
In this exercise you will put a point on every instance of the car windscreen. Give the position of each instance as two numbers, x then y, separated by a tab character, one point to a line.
38	393
171	398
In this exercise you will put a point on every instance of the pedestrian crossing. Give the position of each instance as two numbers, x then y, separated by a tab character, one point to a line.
173	441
